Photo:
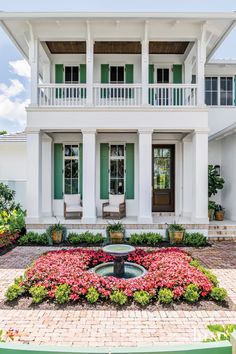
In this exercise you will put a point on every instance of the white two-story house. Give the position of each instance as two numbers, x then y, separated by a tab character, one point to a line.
119	105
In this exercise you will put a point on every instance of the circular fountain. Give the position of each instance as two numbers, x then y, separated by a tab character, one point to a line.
119	268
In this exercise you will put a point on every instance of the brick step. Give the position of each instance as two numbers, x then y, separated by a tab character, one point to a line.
222	227
222	232
221	238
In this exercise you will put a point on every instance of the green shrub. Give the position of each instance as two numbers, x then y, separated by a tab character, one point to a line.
212	277
14	291
149	239
191	293
119	297
195	239
142	297
218	294
86	237
7	196
165	296
33	238
220	332
38	293
92	295
62	294
12	221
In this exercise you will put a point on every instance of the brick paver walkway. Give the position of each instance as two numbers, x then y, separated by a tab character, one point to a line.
116	328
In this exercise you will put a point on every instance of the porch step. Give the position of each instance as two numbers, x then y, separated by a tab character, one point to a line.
220	232
222	227
222	237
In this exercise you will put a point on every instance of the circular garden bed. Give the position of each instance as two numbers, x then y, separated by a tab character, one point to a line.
64	276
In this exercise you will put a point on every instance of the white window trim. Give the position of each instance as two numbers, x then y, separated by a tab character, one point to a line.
71	158
117	158
163	66
218	90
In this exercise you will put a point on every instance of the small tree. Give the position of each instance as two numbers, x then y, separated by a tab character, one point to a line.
214	182
7	196
3	132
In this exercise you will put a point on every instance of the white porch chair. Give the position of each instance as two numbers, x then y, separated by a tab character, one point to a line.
115	208
72	206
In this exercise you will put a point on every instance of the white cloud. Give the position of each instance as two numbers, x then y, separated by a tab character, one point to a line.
12	106
20	68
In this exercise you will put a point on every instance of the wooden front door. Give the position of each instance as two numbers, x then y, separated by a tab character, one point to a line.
163	178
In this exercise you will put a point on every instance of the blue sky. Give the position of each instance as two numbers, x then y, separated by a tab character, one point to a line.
14	75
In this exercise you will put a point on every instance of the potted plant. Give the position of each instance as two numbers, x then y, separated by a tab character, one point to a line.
116	232
56	232
176	233
211	210
219	212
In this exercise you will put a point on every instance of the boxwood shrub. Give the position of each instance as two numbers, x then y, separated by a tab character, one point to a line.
85	238
145	238
195	239
34	238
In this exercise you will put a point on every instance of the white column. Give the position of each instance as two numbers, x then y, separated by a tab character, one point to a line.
200	177
200	73
34	174
89	71
89	175
145	177
46	172
187	73
34	66
145	71
187	176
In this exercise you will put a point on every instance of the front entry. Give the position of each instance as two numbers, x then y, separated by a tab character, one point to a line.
163	180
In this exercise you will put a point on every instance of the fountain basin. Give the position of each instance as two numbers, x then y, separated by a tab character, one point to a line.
118	250
131	270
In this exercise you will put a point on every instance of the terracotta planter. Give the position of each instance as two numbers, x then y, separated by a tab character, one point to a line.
57	237
116	237
219	215
176	236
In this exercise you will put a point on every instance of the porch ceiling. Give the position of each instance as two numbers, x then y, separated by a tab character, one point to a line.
168	47
66	47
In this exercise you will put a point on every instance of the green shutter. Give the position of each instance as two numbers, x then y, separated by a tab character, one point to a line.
129	171
82	78
104	170
129	79
151	81
58	171
59	78
105	70
81	170
177	79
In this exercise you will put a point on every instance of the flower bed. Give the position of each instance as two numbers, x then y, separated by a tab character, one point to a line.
64	276
7	240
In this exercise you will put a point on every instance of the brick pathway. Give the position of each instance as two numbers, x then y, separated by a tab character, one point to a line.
116	328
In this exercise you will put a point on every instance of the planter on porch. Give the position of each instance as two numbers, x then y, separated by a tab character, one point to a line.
219	213
56	233
116	232
176	233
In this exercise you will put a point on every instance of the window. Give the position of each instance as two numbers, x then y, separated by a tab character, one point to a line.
117	74
162	97
211	84
162	76
71	74
71	169
226	91
117	169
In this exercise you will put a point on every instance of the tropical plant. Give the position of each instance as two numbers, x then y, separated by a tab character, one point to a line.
176	227
7	198
219	207
115	227
12	221
220	332
211	205
215	183
195	239
56	227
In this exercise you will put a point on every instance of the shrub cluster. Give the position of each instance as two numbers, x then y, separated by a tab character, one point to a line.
85	238
7	240
195	239
34	238
64	276
145	238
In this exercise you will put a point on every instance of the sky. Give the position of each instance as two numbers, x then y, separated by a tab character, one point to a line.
15	73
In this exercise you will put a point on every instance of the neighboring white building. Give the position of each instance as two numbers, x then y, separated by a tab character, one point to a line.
118	106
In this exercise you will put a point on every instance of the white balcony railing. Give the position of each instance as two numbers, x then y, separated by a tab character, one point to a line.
120	95
63	95
172	95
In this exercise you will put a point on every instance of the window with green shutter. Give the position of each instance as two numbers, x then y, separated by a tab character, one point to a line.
104	170
58	171
104	78
129	79
177	79
129	171
59	78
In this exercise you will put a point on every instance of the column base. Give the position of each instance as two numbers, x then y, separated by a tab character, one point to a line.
197	220
145	219
89	220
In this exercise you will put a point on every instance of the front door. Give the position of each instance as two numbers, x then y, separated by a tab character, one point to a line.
163	180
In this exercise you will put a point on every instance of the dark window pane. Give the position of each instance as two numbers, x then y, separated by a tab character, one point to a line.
74	168
166	75
208	98
67	186
113	73
120	168
214	99
68	74
67	168
159	76
214	83
120	188
120	74
113	186
229	99
208	83
113	150
229	84
223	83
74	186
67	150
120	150
75	73
113	167
74	150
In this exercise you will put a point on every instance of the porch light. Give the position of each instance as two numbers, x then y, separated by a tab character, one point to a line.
217	170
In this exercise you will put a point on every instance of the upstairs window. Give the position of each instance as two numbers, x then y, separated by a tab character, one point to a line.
71	74
219	91
117	74
117	169
71	169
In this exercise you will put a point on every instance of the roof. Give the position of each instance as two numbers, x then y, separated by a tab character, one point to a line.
13	138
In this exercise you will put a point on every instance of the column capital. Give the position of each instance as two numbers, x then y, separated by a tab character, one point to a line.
88	130
201	131
145	131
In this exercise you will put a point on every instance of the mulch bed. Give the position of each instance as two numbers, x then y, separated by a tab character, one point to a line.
25	303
